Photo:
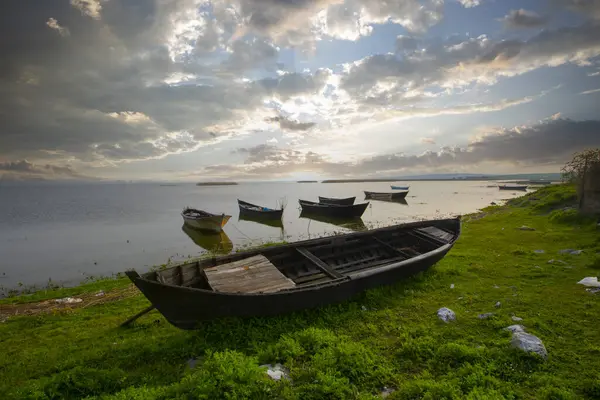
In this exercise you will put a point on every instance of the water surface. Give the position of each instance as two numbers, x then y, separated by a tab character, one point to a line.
69	232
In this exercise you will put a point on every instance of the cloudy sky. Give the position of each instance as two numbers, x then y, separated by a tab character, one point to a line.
294	89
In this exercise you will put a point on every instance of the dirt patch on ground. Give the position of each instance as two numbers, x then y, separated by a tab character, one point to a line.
68	303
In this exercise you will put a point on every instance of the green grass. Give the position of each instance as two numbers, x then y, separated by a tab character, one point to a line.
389	336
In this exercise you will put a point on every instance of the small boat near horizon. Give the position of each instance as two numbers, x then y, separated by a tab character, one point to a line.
202	220
512	187
348	201
385	195
296	276
334	210
399	187
259	211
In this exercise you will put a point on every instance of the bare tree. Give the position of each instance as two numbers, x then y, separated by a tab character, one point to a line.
574	170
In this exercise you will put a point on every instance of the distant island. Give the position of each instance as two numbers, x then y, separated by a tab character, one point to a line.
216	183
358	180
307	181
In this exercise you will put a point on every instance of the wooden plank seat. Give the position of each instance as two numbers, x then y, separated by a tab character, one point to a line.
251	275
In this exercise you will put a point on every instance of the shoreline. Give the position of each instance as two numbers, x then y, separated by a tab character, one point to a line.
387	339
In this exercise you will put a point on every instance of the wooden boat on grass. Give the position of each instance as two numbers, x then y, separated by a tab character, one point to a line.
348	201
399	187
203	220
332	210
214	242
355	224
296	276
259	211
385	195
512	187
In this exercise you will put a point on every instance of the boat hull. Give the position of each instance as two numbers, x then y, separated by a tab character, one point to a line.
341	202
254	211
506	187
335	211
185	308
386	196
214	223
399	187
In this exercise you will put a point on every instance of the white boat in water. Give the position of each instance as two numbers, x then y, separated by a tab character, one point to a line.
203	220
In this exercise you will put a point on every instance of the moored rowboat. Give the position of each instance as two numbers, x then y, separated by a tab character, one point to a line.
385	196
290	277
333	210
203	220
341	202
259	211
399	187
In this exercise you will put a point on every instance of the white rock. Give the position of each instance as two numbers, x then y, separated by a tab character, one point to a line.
553	261
446	314
516	319
485	316
498	304
515	328
277	371
571	251
69	300
364	308
100	293
529	343
539	251
452	286
525	228
590	281
386	391
496	287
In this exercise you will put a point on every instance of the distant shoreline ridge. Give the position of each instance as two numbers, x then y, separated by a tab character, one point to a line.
216	183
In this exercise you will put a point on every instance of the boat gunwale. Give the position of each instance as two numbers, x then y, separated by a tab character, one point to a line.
356	275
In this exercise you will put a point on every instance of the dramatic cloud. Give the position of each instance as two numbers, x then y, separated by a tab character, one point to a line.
469	3
287	124
23	169
523	19
53	24
90	8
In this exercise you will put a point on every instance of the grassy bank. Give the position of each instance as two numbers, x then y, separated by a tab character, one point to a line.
388	337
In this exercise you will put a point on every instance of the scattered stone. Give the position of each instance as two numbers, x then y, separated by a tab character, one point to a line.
590	281
529	343
516	319
493	203
553	261
69	300
539	251
446	314
460	298
593	290
498	304
526	228
100	293
485	316
364	308
537	266
452	286
277	371
386	391
496	287
571	251
515	328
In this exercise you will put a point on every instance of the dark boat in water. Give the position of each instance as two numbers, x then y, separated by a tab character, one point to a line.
512	187
290	277
355	224
340	202
214	242
333	210
259	211
385	195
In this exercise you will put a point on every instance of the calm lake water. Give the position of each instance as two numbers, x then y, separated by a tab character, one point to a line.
69	232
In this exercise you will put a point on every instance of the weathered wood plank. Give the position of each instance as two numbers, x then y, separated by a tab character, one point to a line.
252	275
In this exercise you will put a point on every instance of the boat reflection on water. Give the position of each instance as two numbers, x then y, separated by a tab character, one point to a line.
389	200
273	222
355	224
214	242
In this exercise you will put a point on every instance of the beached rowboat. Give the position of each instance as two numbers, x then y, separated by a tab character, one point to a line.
290	277
203	220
